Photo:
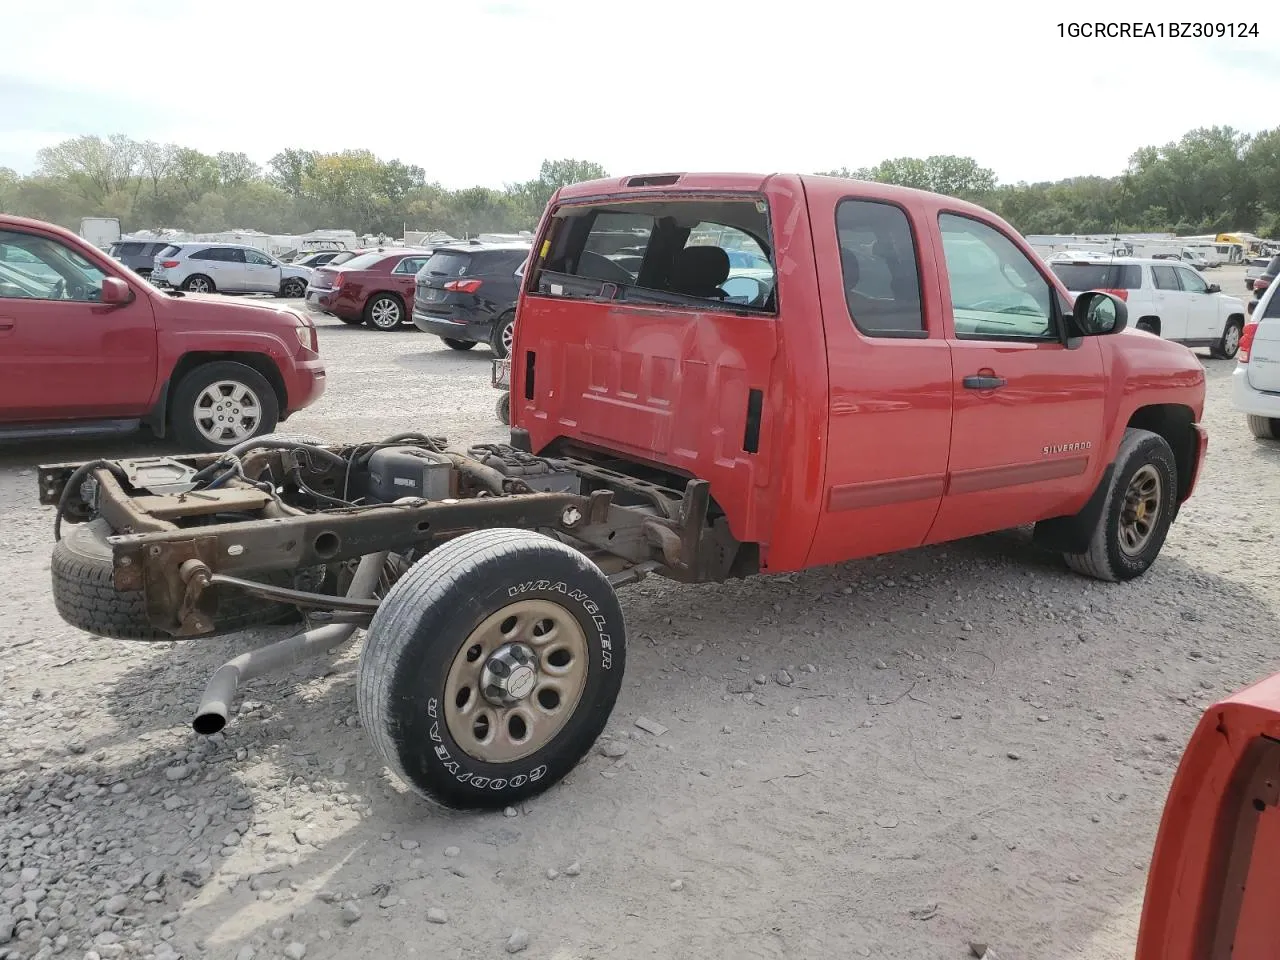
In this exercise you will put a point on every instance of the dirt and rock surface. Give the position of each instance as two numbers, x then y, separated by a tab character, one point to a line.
888	758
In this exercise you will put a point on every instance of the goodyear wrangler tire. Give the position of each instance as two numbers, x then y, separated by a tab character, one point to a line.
491	667
85	594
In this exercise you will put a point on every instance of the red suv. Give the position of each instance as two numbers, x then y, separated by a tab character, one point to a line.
88	346
375	287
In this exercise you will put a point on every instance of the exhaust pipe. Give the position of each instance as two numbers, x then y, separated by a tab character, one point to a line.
215	704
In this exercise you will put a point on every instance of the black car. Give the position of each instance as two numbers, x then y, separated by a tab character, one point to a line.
1259	284
138	255
466	294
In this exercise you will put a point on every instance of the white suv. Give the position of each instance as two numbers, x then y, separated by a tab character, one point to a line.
227	268
1165	297
1255	384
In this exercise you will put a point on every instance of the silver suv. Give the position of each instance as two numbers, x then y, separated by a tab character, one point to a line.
227	268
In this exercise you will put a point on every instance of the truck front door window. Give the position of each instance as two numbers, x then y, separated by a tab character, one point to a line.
36	268
879	266
996	292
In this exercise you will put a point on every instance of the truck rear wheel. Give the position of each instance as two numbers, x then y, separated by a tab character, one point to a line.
491	667
1140	506
504	408
85	594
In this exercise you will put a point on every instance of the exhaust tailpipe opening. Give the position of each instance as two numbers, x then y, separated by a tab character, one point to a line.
215	705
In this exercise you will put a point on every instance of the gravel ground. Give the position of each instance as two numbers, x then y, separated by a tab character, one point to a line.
888	758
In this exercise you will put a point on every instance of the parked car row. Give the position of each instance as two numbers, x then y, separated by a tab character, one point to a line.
464	292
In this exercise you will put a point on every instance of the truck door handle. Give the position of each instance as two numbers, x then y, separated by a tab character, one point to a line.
984	383
6	323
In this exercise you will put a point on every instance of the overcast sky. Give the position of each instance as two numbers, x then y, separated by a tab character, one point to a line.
480	91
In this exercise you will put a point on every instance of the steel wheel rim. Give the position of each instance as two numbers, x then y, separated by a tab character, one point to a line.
1233	339
1141	510
199	286
226	412
508	336
385	313
495	732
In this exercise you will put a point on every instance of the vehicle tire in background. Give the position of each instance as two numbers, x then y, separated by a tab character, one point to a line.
504	332
384	312
220	404
458	344
491	667
504	408
1139	507
293	288
85	594
1264	428
1149	324
1229	345
198	283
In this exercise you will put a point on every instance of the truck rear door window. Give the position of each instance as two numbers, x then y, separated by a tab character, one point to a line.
878	265
698	252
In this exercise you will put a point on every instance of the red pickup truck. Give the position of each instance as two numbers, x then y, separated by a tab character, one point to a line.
713	376
87	346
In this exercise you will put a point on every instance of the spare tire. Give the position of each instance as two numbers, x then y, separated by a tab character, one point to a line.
85	594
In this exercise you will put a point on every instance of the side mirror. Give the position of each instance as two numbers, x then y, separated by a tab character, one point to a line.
1213	288
114	291
1097	314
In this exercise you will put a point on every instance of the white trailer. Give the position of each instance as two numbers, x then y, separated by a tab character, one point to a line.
102	232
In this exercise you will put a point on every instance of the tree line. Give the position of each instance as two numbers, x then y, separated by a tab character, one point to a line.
1212	179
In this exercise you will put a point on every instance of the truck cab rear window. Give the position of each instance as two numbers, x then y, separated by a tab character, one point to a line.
695	252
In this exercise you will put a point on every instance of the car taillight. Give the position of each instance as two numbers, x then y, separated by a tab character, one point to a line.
1246	340
169	264
1260	285
463	286
337	280
1118	294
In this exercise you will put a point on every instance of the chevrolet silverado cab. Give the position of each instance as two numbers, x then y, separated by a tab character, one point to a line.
712	376
88	346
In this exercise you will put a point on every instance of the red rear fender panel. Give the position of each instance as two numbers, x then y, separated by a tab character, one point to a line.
672	386
1215	873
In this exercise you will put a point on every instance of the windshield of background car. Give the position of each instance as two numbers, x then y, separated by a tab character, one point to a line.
169	251
696	251
447	263
1078	277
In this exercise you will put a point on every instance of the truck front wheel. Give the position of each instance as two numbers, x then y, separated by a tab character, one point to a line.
491	667
1139	508
220	404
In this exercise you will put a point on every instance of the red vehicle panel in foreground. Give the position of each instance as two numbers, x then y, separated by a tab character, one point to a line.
90	346
1215	874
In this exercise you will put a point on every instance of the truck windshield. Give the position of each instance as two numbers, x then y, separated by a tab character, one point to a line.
703	252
